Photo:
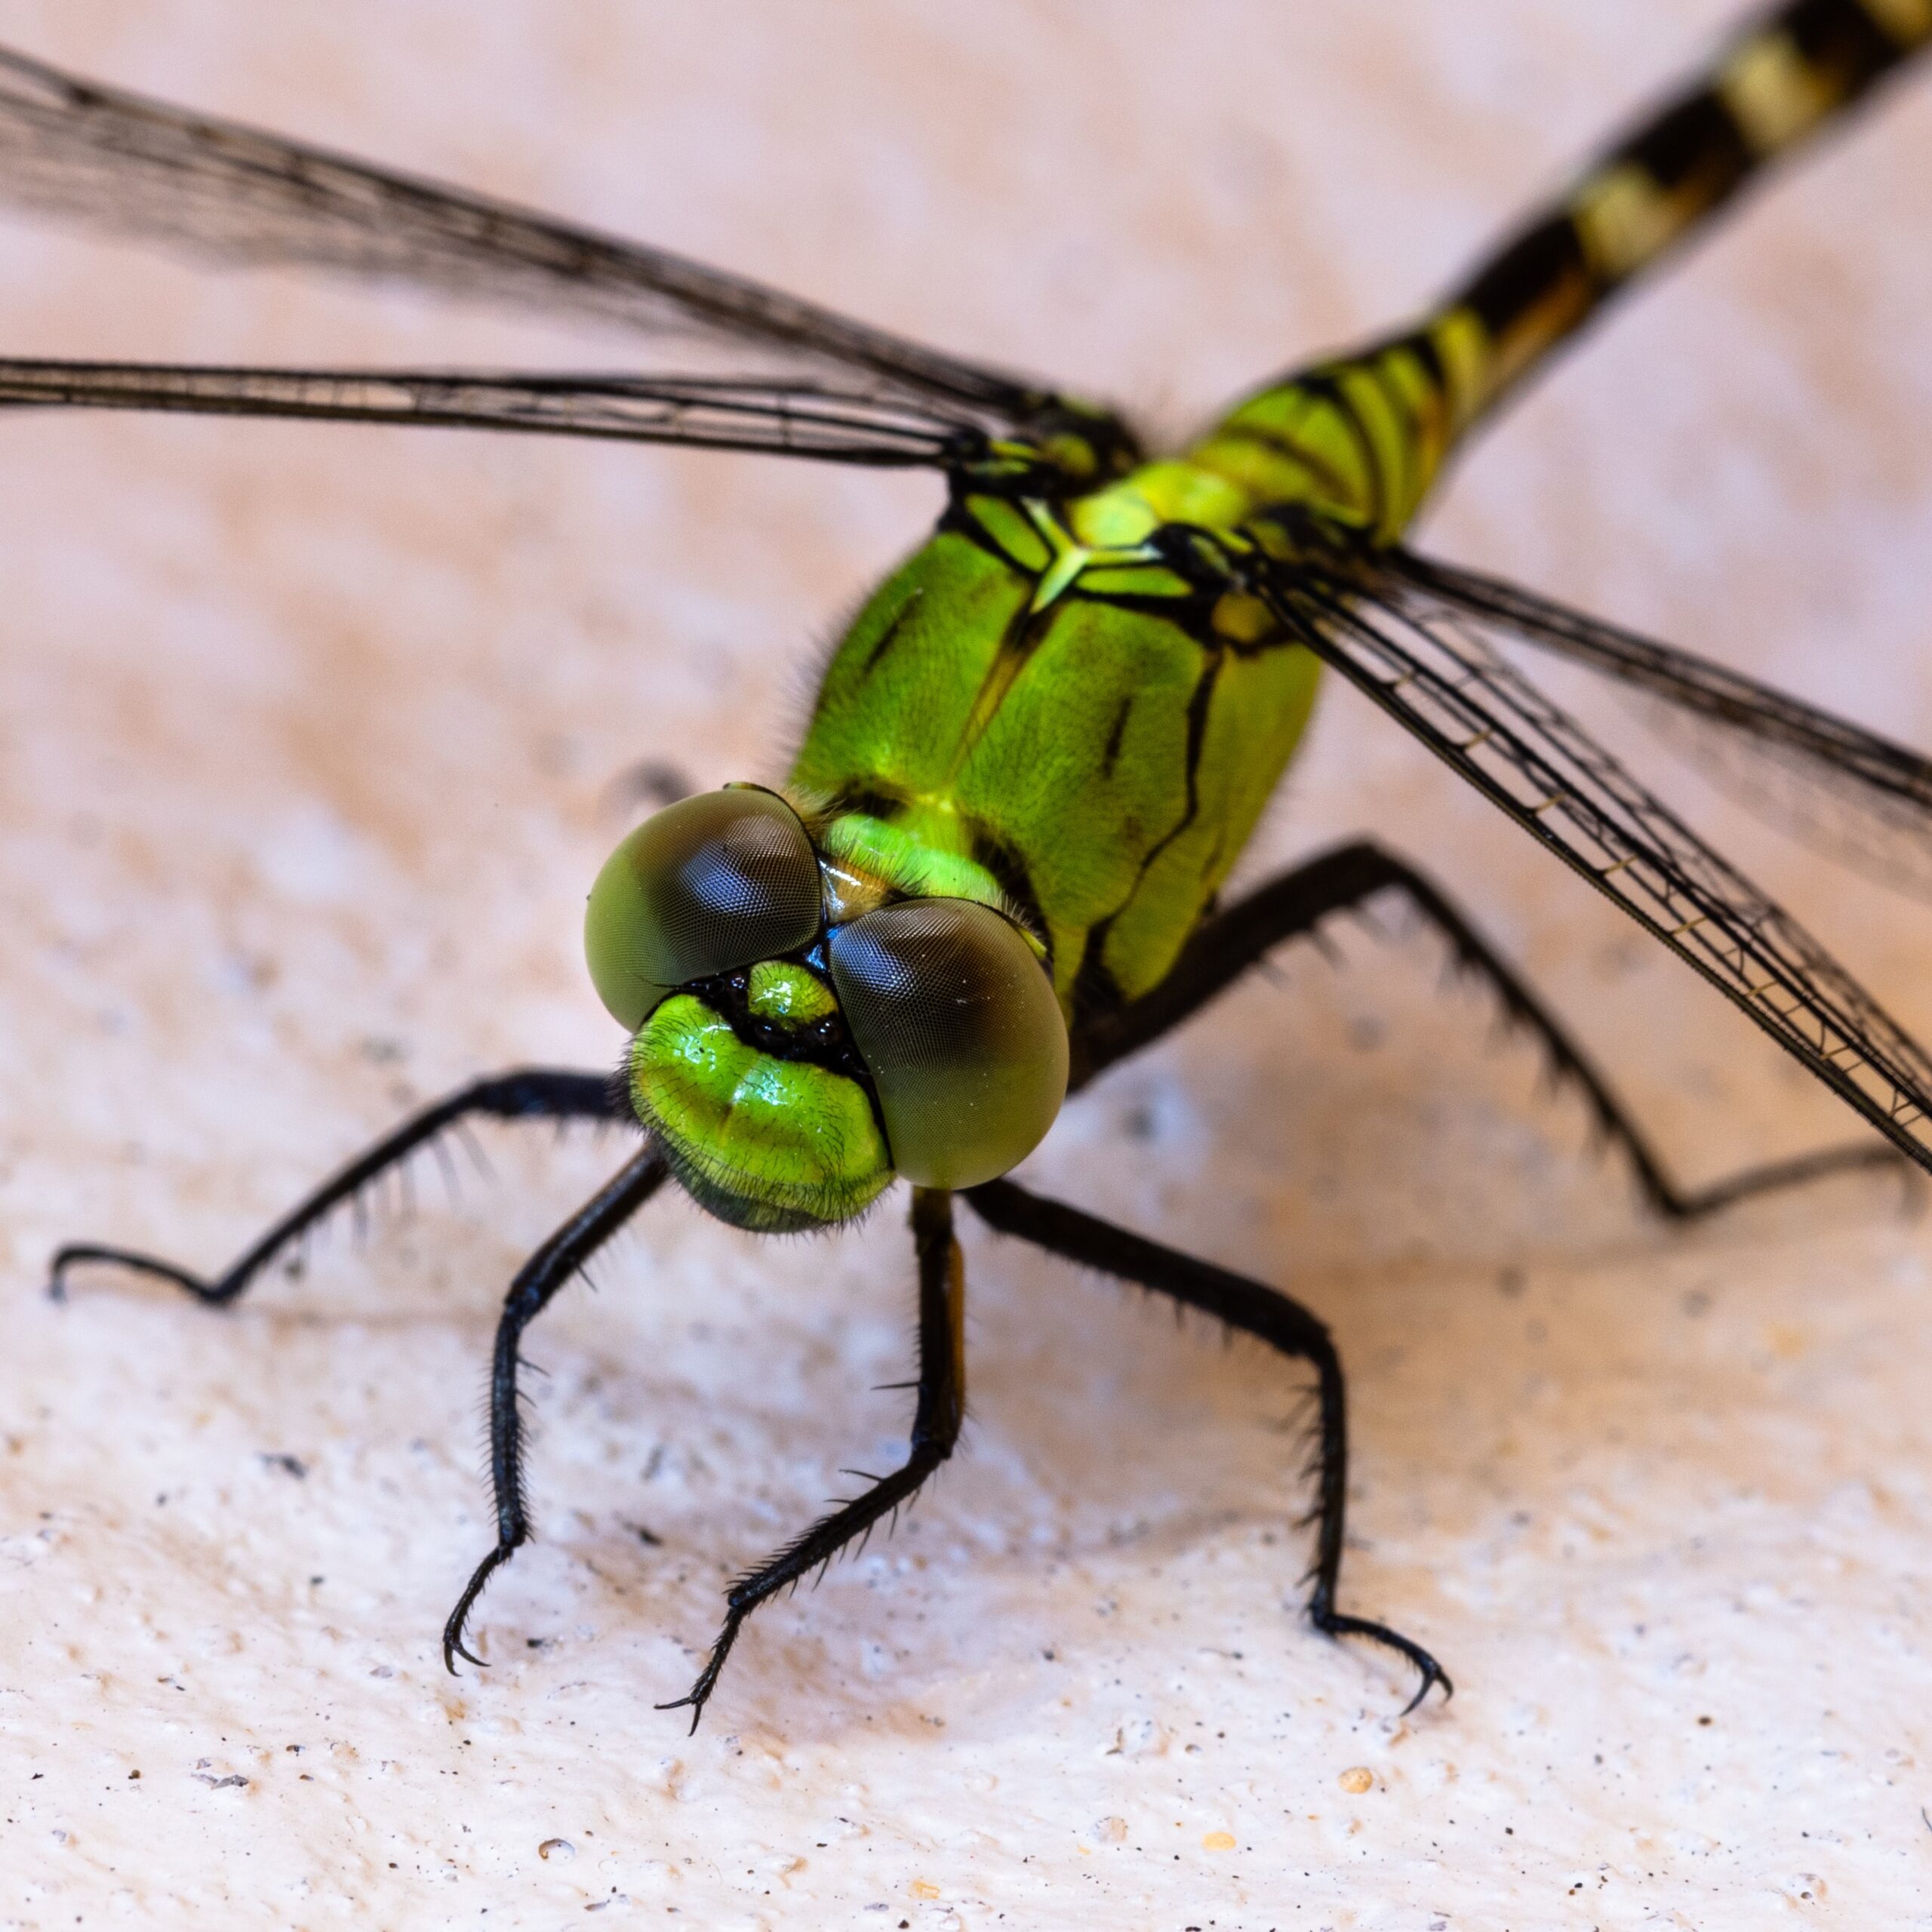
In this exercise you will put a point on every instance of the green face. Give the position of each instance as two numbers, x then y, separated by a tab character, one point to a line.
762	1142
790	1069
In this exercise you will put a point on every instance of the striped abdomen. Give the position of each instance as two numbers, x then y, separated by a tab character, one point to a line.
1364	436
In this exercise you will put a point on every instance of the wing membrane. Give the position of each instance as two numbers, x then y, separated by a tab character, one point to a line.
1858	796
1493	727
797	418
233	193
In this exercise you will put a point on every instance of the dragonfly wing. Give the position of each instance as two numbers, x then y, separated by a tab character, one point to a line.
234	193
1859	797
780	419
1444	684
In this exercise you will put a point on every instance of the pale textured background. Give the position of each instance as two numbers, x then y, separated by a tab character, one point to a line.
307	735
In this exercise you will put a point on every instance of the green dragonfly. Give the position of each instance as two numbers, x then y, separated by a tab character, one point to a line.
994	868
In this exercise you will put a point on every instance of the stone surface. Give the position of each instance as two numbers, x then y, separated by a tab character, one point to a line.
310	741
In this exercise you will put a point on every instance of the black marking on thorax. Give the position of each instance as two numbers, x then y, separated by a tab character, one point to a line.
889	636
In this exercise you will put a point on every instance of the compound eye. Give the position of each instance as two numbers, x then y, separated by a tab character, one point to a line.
957	1022
716	882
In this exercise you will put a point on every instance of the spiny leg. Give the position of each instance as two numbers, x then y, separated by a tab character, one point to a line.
936	1420
1291	906
528	1093
1256	1310
555	1263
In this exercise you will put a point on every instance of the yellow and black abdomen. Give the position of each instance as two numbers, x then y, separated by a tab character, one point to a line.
1364	436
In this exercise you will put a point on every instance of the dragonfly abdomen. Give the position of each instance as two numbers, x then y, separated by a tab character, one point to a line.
1774	85
1362	437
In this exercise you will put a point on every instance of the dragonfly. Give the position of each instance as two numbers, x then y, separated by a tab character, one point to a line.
994	868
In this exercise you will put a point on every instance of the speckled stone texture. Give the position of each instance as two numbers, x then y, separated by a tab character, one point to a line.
309	739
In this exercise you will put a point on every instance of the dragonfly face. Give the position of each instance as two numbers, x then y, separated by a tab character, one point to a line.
793	1049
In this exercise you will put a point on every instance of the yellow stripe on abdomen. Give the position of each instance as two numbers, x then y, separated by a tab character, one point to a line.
1775	84
1363	437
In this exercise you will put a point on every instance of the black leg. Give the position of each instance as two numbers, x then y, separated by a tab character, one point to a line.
531	1094
555	1263
935	1429
1293	905
1255	1310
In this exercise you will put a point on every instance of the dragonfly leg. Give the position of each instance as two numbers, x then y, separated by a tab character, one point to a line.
936	1420
529	1094
553	1265
1294	904
1255	1310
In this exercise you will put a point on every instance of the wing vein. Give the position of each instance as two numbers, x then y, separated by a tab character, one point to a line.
1474	710
81	150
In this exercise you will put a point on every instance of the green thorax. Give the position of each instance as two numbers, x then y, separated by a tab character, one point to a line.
1039	704
1043	702
1061	720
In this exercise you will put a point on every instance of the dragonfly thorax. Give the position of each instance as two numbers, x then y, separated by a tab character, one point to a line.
1094	726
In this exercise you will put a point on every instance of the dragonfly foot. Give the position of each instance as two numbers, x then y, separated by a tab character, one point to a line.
453	1646
89	1254
699	1695
1335	1623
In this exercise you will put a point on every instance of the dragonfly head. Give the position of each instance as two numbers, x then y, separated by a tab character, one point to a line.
791	1064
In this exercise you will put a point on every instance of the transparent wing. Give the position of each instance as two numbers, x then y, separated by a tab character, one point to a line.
1854	794
1448	688
795	419
233	193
